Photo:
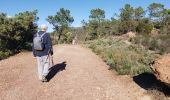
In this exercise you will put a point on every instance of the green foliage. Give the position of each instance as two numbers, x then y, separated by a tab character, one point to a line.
96	16
53	38
67	37
156	13
144	26
78	34
91	31
166	24
160	43
5	54
126	13
16	32
108	28
61	21
139	13
155	10
124	58
129	19
126	17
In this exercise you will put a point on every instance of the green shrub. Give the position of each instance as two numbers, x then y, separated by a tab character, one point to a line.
16	33
144	26
4	55
153	45
158	43
124	58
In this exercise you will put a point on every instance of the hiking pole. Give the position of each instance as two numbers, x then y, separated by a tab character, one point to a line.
51	57
52	60
48	55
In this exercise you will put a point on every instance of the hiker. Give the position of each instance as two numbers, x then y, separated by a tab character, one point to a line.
42	49
74	41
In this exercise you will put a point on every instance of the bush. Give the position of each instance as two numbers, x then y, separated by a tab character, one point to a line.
144	26
158	43
16	32
5	54
124	58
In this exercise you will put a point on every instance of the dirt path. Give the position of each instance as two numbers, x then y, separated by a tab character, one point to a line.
85	78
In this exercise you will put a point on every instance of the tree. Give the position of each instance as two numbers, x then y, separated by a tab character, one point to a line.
139	13
126	17
155	10
166	21
97	15
61	21
144	26
93	29
126	13
25	24
84	27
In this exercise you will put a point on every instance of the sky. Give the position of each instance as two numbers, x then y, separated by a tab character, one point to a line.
80	9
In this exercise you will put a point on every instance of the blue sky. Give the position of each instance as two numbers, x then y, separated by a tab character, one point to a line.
80	9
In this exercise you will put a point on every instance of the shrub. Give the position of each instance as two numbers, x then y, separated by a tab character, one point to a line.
124	58
5	54
16	32
144	26
158	43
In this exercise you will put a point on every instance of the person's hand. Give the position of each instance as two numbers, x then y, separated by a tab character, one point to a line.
51	51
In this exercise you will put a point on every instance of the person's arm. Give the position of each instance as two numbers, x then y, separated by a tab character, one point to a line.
33	51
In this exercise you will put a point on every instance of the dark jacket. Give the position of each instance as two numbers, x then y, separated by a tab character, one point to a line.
47	45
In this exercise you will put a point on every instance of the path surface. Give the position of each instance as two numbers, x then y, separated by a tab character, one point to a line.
86	77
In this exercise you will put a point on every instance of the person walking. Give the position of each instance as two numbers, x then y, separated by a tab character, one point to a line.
42	49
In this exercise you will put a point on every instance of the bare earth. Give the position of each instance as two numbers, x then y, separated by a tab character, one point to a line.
86	77
161	69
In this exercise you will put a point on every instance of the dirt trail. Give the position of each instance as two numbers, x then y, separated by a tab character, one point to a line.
86	77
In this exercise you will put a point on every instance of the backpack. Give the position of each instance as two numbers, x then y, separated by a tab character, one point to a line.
38	42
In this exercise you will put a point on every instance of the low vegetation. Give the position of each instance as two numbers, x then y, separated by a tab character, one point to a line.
159	43
124	58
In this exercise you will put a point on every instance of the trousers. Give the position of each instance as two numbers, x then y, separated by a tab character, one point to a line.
43	66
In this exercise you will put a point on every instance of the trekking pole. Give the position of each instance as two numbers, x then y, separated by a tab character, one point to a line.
52	60
49	61
47	55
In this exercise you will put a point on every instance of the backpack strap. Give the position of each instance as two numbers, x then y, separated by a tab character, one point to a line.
41	35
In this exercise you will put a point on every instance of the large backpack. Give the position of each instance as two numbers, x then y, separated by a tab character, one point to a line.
38	42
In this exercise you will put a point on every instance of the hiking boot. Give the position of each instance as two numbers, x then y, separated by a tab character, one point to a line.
44	79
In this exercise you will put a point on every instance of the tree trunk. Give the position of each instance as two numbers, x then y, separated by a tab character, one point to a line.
98	28
60	33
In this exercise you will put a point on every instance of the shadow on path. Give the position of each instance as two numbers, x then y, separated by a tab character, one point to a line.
149	81
55	69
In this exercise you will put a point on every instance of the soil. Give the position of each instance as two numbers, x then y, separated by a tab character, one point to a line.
161	69
77	74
